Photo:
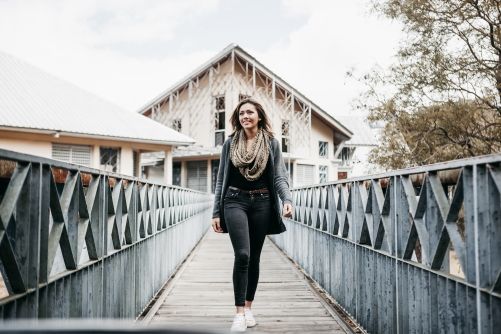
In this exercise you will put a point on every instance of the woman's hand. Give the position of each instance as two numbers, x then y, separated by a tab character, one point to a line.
216	225
287	210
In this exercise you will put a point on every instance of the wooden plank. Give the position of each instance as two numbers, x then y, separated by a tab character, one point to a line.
211	311
203	294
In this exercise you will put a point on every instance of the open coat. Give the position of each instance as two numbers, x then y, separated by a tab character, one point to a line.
278	186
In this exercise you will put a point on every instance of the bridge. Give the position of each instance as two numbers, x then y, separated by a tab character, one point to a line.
410	251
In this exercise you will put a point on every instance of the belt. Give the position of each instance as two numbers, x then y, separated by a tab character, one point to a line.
251	192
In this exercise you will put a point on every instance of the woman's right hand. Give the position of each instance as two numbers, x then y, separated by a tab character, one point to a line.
216	225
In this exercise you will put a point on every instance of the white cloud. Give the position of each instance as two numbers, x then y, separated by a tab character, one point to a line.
338	37
118	48
74	40
133	21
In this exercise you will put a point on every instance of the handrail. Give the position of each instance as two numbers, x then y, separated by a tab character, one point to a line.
406	251
80	242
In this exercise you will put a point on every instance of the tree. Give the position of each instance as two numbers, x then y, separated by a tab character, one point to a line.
445	98
448	131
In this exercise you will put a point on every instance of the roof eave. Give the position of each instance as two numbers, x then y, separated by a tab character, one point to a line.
359	144
96	136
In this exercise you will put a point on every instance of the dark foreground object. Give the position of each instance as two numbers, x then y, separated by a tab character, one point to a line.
93	326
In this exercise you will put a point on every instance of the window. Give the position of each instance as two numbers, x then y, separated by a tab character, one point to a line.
219	139
75	154
242	97
285	137
323	173
176	173
220	121
176	124
197	175
109	159
220	103
323	149
346	155
304	175
219	125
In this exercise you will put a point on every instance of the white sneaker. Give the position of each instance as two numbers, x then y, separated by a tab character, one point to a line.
249	318
238	324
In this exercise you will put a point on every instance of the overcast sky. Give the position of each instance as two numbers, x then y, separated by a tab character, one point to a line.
128	51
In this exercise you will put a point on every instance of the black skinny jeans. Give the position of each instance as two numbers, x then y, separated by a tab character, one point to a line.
247	218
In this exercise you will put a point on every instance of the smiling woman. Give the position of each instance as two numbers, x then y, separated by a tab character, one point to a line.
251	178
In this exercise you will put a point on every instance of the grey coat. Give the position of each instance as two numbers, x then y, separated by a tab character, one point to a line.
278	185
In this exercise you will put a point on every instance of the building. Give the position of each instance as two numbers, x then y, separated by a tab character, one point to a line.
354	153
201	104
49	117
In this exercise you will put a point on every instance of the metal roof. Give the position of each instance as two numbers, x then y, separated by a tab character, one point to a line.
35	101
225	53
363	134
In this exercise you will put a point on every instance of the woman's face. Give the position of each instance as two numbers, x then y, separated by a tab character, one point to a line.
248	116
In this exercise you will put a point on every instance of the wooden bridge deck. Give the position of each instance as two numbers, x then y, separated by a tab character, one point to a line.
201	294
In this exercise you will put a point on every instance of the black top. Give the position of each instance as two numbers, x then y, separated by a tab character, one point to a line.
239	181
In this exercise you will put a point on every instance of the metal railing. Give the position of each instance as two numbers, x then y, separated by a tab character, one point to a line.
78	242
411	251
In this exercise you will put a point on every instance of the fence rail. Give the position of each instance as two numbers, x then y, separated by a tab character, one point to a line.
411	251
79	242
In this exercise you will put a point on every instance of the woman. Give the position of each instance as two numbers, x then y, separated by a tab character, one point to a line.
251	176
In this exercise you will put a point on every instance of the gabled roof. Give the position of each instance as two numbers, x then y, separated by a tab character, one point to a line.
32	100
223	55
363	134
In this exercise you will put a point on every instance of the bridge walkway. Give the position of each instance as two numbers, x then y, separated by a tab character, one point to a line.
201	294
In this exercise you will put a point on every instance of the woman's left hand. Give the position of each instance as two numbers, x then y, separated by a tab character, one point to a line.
287	210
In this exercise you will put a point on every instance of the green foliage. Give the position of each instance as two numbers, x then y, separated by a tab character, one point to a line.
445	98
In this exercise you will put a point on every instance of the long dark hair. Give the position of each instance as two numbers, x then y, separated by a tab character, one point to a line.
264	123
